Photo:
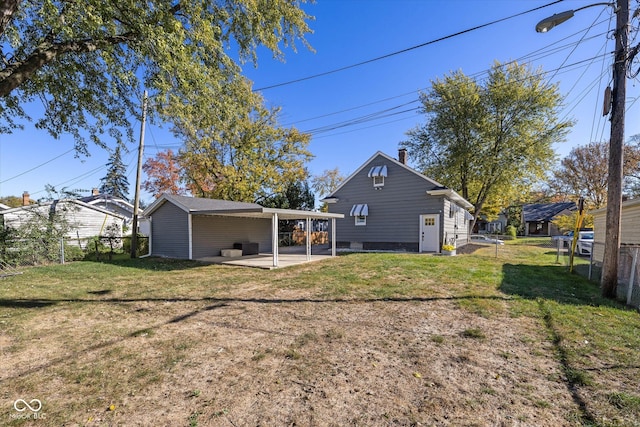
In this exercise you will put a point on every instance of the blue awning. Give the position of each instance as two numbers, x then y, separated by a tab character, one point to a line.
378	171
359	210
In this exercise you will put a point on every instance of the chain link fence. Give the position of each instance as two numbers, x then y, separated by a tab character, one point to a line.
33	252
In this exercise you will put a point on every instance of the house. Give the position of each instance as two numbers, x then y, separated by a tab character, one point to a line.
83	220
195	228
389	206
537	217
4	207
118	206
496	226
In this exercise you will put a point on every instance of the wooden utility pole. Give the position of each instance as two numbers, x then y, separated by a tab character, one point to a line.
136	203
609	279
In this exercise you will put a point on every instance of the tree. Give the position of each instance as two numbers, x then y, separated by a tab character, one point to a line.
326	183
243	157
490	140
584	172
115	182
11	201
87	60
163	174
297	195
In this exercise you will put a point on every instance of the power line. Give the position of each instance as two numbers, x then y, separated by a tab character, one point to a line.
398	52
36	167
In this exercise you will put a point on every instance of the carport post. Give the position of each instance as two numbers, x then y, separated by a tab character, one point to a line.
308	238
274	238
333	237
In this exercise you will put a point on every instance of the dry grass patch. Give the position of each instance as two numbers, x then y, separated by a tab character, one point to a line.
363	339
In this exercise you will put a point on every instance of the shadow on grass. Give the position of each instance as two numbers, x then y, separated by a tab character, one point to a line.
151	263
553	283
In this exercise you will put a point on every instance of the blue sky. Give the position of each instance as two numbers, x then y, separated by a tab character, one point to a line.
358	111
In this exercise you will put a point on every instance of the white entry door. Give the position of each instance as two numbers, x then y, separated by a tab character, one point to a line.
429	233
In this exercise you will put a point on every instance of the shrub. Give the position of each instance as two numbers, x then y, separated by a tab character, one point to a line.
511	231
73	253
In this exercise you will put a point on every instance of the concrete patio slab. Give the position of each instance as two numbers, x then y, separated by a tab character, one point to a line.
264	261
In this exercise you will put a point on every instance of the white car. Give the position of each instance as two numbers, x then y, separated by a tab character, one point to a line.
481	238
585	243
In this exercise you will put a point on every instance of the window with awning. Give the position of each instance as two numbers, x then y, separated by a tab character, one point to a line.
360	212
378	173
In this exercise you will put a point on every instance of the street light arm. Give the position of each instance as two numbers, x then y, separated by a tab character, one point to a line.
558	18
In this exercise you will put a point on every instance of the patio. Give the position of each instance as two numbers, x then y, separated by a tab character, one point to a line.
287	256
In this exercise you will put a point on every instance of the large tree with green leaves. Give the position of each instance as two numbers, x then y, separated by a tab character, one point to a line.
244	156
86	61
490	140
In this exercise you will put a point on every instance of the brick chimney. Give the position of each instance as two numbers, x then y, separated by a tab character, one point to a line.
26	201
402	156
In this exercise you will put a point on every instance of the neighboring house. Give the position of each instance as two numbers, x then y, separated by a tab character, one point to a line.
195	228
3	207
629	227
537	217
497	226
84	220
389	206
120	207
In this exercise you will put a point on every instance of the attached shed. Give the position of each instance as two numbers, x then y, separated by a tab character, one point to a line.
196	228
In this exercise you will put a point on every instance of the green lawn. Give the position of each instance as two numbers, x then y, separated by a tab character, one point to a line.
63	328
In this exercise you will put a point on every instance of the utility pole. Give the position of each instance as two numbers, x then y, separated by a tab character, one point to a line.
136	203
609	279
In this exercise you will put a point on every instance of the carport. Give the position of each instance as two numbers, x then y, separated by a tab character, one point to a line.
204	229
275	215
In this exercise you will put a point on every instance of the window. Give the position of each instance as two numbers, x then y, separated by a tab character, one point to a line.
429	222
378	173
360	212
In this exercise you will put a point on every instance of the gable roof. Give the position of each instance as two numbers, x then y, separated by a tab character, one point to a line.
4	207
197	205
545	211
58	202
97	198
439	190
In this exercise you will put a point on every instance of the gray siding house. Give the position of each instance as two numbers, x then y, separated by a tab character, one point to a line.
195	228
389	206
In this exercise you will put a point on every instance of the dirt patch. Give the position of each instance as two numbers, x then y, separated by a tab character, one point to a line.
469	248
289	358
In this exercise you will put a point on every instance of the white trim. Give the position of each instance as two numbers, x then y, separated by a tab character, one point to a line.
360	220
274	238
451	194
190	226
333	237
